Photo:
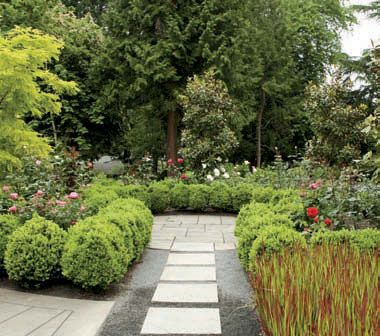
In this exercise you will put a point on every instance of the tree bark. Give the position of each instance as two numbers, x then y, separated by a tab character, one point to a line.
259	129
172	136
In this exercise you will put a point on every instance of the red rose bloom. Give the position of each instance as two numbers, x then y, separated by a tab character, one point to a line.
180	160
170	162
316	220
183	177
312	212
328	221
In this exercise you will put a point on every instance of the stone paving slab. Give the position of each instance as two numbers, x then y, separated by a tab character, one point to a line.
43	313
224	246
161	244
190	273
191	259
186	293
192	247
199	239
209	219
193	321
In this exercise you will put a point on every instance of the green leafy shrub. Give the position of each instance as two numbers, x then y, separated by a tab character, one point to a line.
252	228
139	192
199	196
94	255
220	196
364	240
159	197
98	196
8	224
263	194
240	196
274	239
179	196
33	252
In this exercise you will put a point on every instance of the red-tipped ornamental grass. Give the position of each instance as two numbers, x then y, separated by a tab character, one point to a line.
323	291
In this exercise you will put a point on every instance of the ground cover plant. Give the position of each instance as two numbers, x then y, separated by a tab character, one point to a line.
324	290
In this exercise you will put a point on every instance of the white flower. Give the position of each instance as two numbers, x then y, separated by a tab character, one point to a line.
254	170
204	166
219	159
246	162
226	175
216	172
238	173
210	178
223	170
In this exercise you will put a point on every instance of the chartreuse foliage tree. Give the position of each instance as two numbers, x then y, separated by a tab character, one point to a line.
208	116
151	50
78	124
26	86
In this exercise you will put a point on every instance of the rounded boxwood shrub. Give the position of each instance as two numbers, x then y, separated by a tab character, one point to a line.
94	255
220	196
199	196
33	252
8	224
139	192
179	196
274	239
159	194
99	196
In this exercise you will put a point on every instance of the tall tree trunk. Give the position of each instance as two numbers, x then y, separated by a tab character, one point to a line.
259	129
172	135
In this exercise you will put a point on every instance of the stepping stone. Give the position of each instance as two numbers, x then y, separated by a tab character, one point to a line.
160	244
196	321
191	259
178	273
184	293
193	247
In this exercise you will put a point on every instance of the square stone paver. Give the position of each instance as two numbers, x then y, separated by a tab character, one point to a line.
220	228
192	247
196	321
191	259
209	219
183	293
181	232
191	273
199	239
224	246
188	219
160	244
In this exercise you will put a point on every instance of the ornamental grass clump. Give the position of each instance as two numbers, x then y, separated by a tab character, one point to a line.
326	290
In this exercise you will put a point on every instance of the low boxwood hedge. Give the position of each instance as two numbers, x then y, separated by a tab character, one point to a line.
8	224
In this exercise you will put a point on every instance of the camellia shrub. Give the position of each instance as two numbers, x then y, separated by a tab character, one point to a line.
95	254
33	252
8	224
325	290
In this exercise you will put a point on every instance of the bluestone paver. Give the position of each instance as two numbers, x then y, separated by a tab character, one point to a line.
191	259
192	247
183	293
189	273
196	321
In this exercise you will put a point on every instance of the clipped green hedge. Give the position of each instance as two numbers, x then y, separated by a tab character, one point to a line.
8	224
33	252
364	240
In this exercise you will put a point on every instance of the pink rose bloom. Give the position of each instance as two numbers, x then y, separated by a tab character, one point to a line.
73	195
12	209
13	196
61	203
5	188
39	193
313	186
38	162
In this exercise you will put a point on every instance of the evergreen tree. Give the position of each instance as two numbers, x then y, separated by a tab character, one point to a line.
152	48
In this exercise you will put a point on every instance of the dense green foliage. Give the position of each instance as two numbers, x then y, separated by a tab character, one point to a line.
33	252
8	224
